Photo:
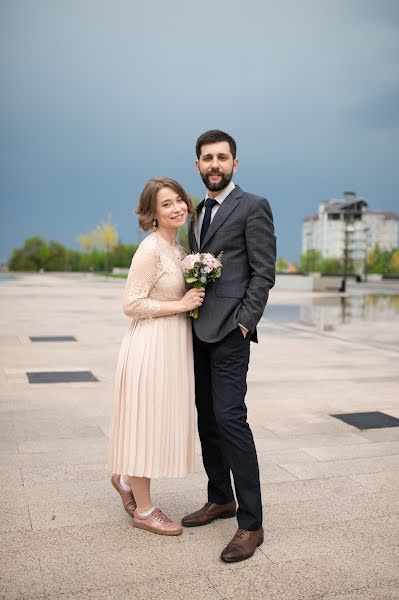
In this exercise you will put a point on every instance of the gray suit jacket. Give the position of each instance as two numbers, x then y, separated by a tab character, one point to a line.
243	228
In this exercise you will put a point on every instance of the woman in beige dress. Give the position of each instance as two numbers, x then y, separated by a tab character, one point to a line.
152	424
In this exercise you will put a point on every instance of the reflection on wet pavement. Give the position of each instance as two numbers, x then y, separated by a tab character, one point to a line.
331	313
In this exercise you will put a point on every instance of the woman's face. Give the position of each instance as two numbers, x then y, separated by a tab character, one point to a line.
170	210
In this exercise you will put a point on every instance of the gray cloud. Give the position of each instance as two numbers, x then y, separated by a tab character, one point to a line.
100	96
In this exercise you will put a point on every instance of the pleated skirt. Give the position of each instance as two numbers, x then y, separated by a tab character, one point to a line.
153	417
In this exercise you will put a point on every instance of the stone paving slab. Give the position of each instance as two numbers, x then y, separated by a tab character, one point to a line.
379	482
386	435
311	489
362	568
372	505
330	491
385	592
182	588
343	467
353	451
309	441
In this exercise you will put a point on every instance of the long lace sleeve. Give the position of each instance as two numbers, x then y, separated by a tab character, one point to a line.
143	274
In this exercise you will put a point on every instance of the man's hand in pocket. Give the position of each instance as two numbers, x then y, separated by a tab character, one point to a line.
244	330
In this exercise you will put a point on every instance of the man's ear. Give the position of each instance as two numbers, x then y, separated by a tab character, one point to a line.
235	165
197	165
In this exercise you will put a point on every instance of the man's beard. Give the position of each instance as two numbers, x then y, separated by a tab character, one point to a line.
216	187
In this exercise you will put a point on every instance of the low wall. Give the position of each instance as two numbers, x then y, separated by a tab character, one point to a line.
294	282
120	271
308	283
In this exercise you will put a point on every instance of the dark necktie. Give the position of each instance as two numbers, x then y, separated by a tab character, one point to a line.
209	204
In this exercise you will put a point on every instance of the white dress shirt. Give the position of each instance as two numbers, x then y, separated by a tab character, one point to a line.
197	230
219	199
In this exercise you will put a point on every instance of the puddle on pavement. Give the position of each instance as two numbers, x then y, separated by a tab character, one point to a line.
330	313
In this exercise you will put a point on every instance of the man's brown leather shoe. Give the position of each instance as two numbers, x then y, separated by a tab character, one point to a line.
129	503
209	513
243	545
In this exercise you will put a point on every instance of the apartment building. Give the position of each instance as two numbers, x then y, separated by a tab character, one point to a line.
346	223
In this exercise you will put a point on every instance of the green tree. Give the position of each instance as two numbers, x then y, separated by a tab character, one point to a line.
121	255
31	257
311	261
57	257
72	260
106	238
332	266
282	265
379	261
394	262
86	241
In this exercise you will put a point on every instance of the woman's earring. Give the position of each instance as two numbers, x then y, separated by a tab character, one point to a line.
154	223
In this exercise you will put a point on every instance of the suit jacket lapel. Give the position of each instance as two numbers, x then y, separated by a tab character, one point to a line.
224	211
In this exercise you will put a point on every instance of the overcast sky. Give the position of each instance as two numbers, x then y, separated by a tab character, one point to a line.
98	96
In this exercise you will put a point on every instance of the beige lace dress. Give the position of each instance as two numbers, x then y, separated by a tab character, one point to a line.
153	417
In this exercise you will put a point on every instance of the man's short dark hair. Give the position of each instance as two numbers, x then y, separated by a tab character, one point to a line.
212	137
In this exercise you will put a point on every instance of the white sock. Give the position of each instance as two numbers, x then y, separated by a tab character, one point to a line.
124	485
147	512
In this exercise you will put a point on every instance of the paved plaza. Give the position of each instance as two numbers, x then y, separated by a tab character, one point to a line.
330	490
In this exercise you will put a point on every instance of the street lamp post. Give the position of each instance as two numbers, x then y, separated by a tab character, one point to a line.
366	230
348	229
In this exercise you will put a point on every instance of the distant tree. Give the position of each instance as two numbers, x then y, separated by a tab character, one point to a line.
86	241
292	268
72	260
331	266
394	263
57	257
282	265
311	261
31	257
195	200
106	238
121	255
379	261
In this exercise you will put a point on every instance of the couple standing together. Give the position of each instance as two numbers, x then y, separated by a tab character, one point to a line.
167	359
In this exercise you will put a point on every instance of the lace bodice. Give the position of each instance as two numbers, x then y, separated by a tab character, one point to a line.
155	275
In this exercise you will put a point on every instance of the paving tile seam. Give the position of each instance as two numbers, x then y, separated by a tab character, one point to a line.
42	578
67	527
375	346
359	522
393	509
315	380
112	588
30	518
213	586
367	488
307	500
148	579
341	433
389	582
266	504
329	460
331	553
392	468
321	479
345	590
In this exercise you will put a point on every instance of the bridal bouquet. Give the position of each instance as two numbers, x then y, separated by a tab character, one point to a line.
199	269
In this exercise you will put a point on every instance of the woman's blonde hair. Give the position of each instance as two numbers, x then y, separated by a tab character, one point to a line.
148	198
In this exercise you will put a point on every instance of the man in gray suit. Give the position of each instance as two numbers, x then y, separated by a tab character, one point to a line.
241	225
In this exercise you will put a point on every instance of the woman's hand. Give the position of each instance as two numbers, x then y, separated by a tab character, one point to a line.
192	299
